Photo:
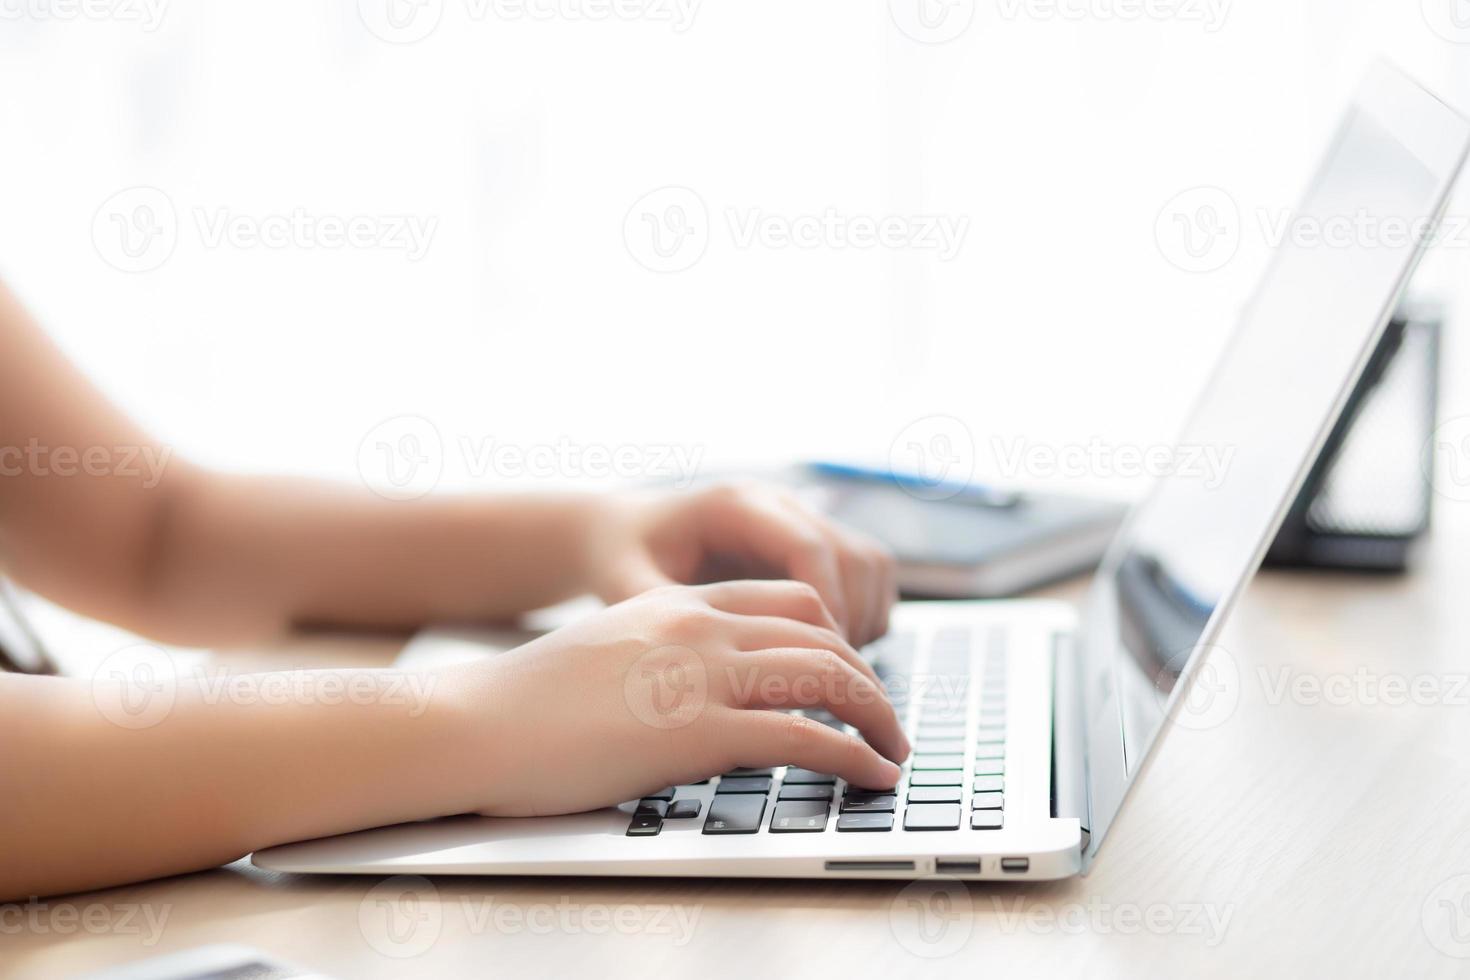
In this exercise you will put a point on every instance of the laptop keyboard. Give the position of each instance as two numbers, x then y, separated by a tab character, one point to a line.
954	711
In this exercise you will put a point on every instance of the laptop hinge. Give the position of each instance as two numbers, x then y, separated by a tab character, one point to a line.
1068	736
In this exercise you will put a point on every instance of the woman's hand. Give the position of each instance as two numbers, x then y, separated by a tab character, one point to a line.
671	687
741	531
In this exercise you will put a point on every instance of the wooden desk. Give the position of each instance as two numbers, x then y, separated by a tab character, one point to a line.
1328	838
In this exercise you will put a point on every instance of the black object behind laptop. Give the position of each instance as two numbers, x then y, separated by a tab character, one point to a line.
1366	502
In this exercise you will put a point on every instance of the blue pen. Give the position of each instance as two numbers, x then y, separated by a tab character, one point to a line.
970	493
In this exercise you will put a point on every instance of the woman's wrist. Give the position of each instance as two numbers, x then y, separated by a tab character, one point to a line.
595	541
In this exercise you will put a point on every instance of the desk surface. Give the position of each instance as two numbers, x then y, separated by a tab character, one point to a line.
1321	827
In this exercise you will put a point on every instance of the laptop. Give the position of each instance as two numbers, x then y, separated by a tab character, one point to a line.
1031	720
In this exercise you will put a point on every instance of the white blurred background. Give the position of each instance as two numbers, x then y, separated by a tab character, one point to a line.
520	136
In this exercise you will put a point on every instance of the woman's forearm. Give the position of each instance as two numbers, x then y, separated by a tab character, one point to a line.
120	780
241	558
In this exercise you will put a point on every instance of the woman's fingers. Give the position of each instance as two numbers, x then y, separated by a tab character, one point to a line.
803	678
861	562
770	597
758	523
769	738
767	632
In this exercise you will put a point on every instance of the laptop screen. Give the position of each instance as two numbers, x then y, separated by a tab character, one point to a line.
1187	550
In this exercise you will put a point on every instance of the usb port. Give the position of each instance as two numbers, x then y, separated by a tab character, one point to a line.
1015	865
956	867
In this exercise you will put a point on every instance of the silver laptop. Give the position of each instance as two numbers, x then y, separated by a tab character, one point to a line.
1030	719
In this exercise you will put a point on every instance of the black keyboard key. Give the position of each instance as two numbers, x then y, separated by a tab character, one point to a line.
986	819
739	773
851	790
989	767
659	808
934	794
744	784
683	810
932	816
667	793
801	791
954	760
988	784
869	803
645	825
794	776
735	813
799	817
988	801
865	822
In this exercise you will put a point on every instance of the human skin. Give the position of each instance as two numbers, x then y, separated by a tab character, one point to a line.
190	556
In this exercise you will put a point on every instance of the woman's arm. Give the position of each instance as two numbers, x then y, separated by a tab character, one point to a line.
145	773
105	520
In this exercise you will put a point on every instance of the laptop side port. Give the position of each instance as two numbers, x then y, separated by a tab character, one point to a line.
1015	865
954	866
870	865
